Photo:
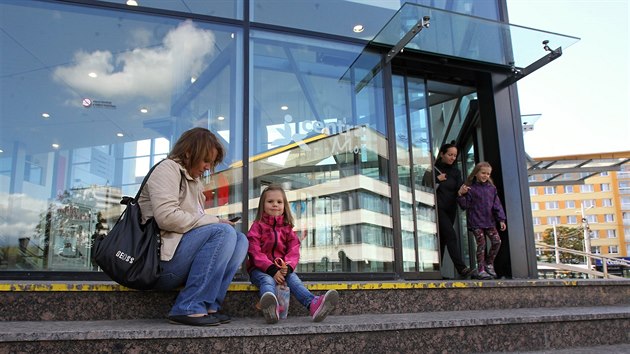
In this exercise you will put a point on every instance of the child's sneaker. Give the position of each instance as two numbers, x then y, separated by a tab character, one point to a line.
490	270
322	305
269	307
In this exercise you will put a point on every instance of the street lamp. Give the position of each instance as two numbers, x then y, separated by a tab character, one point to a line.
587	238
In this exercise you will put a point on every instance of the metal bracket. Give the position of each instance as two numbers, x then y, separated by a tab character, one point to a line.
423	23
519	73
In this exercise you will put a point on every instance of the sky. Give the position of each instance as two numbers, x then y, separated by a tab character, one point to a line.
583	96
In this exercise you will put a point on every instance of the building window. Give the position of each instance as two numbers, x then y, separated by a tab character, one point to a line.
539	236
551	205
588	203
613	249
533	191
605	187
611	233
553	220
586	188
568	189
626	217
594	234
607	202
535	206
625	202
596	250
572	219
592	219
609	218
569	204
536	221
604	174
624	186
550	190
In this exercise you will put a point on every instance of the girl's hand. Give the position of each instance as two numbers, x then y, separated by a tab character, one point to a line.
441	177
502	225
463	190
278	277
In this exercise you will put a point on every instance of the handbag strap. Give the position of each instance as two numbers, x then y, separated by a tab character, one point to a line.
126	200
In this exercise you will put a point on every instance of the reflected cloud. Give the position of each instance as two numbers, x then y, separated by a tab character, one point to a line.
145	71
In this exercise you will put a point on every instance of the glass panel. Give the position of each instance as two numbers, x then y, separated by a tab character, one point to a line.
450	105
109	104
419	238
219	8
327	146
470	37
340	17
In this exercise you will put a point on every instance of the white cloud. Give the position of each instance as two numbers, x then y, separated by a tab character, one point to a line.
150	72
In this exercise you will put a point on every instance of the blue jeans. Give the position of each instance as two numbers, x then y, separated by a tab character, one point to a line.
204	263
266	283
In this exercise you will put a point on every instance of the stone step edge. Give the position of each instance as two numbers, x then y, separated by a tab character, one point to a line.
104	286
23	331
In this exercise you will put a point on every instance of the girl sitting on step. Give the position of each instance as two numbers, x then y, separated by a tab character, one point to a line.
272	241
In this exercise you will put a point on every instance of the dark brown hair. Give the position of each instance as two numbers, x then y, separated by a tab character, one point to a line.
195	145
288	218
444	148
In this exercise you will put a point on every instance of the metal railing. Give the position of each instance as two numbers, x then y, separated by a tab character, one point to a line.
572	268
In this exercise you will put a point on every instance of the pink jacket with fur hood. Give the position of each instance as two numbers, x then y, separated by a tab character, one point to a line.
269	238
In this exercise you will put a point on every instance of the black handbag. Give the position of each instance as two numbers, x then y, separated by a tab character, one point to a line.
130	253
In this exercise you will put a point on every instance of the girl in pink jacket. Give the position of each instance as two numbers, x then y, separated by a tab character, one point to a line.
274	252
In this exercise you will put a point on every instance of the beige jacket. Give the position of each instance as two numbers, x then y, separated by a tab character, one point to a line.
176	205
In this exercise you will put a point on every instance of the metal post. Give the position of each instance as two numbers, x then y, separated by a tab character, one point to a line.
555	241
587	239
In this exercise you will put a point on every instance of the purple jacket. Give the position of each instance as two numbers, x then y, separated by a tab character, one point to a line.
482	205
269	238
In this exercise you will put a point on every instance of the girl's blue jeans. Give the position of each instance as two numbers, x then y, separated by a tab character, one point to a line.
266	283
204	263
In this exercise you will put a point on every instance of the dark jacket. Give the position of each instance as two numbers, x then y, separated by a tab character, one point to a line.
446	192
269	238
482	205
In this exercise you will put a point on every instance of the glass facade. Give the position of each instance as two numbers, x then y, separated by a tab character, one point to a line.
92	95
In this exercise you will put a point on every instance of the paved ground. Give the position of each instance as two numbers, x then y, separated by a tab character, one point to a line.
603	349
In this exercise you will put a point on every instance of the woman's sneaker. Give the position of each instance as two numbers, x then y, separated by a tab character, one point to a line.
321	306
269	307
490	270
483	275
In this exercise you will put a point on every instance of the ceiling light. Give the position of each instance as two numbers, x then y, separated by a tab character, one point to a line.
144	110
46	115
358	29
232	35
284	108
132	3
193	79
1	151
120	135
55	146
93	75
220	117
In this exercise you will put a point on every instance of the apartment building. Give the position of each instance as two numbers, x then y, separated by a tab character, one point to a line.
584	191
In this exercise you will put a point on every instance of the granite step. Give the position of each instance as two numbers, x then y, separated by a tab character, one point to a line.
93	301
470	331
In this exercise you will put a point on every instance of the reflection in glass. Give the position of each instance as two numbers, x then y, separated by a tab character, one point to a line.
419	232
116	97
327	146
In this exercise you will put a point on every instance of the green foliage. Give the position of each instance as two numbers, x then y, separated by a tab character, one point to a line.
568	237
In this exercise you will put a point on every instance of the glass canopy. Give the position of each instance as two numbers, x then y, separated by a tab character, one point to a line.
465	37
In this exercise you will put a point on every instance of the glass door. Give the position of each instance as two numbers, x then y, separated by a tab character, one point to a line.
420	252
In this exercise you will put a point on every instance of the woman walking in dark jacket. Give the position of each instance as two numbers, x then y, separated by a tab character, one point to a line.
448	181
